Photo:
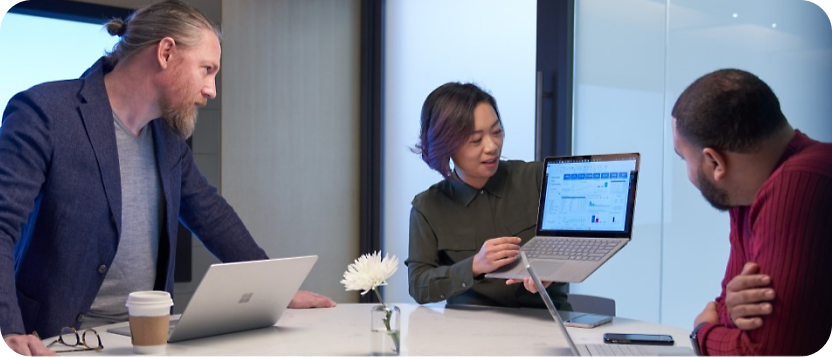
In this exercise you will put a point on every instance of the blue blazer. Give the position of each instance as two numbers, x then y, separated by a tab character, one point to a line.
60	204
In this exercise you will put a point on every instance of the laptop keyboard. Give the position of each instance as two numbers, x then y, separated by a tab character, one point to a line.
613	350
585	249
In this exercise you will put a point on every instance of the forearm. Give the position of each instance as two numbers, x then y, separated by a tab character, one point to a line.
789	242
718	340
25	153
11	320
724	314
429	279
226	237
209	216
775	337
429	283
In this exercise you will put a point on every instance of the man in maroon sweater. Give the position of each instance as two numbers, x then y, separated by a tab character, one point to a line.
776	182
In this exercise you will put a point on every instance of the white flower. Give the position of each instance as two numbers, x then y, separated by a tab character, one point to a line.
369	272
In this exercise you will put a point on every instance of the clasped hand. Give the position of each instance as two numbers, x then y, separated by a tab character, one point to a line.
748	298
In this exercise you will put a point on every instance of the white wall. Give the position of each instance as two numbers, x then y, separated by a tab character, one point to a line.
290	130
431	42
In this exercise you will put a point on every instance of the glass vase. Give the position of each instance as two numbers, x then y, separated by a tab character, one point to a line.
385	330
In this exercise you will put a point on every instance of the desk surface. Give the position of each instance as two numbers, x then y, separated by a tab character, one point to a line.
426	330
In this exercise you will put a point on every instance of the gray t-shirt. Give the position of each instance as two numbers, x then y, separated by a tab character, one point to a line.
134	267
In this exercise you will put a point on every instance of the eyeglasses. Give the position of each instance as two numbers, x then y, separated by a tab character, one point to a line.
70	337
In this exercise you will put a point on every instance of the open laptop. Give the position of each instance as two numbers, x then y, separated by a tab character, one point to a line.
600	349
585	216
239	296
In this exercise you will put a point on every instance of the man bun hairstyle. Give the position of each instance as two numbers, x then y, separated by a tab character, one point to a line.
116	27
149	25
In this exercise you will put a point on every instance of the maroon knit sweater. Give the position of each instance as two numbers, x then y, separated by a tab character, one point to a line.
787	230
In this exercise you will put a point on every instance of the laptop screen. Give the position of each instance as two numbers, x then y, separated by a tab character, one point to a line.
591	196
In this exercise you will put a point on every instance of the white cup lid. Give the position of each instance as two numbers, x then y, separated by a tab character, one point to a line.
155	297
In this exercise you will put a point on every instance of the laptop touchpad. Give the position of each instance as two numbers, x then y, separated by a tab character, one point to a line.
545	267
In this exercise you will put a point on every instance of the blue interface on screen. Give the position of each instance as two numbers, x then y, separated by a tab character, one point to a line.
587	196
39	49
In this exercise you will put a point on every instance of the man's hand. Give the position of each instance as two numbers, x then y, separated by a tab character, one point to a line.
748	297
307	300
495	253
529	284
708	315
28	345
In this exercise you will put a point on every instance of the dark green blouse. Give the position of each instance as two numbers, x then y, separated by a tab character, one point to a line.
450	222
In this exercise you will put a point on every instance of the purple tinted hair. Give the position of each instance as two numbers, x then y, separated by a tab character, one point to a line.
448	122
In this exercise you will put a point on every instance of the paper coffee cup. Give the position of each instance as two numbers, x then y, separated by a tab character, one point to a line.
149	320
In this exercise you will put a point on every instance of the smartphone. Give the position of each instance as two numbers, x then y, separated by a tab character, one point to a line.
638	338
588	320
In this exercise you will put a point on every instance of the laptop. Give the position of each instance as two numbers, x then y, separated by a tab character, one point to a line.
601	349
584	217
239	296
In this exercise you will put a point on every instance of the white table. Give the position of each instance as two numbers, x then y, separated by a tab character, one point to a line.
426	330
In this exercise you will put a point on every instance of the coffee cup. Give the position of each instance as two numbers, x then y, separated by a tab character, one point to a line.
149	313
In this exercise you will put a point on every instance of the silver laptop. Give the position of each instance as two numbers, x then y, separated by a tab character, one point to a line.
239	296
600	349
585	216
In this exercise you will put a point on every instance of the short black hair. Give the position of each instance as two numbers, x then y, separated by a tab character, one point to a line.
729	109
448	121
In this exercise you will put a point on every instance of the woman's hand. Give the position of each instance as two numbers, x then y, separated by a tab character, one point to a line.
528	283
495	253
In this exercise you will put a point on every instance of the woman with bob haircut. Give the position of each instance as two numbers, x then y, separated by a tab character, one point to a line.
474	220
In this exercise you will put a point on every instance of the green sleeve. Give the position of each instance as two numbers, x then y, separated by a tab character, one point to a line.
428	280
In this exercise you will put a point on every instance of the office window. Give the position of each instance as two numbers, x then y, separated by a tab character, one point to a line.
39	49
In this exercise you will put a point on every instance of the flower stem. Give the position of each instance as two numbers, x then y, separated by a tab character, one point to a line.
378	295
388	313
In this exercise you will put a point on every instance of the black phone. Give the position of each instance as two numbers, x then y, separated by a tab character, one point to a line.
638	338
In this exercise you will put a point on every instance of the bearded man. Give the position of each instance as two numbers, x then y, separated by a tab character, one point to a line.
93	186
776	183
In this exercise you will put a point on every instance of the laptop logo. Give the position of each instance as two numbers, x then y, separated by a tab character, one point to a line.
245	298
